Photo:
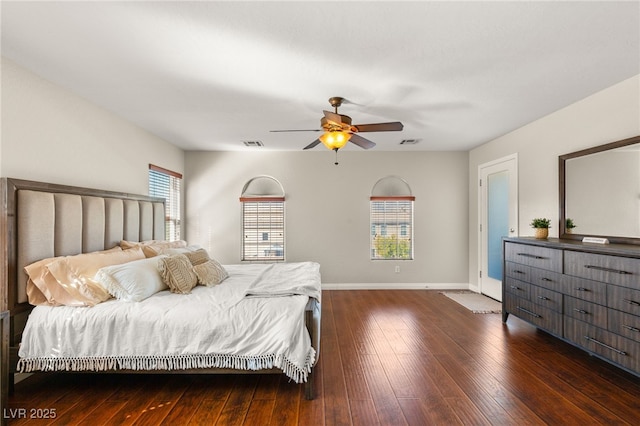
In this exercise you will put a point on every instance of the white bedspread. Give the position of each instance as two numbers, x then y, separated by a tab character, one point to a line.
243	323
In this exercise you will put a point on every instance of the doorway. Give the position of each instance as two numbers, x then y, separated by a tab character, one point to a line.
498	211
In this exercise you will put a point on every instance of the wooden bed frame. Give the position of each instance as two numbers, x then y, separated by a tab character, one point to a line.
137	218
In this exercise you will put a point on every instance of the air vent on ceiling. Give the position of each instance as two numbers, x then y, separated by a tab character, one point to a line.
253	143
409	141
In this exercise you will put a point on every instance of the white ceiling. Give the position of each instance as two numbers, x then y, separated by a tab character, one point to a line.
210	75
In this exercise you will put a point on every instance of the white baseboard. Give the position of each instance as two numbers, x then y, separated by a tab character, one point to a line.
395	286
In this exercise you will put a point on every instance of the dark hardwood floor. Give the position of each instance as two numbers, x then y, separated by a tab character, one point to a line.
388	358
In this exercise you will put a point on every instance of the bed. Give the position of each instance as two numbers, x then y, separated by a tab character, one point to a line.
262	318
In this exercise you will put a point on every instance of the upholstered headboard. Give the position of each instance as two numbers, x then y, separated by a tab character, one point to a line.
41	220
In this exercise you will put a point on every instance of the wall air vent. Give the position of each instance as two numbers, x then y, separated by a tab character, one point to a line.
409	141
252	143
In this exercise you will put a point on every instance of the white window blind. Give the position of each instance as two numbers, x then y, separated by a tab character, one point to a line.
392	228
262	229
166	184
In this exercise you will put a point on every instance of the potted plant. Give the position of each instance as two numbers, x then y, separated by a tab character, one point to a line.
569	225
541	226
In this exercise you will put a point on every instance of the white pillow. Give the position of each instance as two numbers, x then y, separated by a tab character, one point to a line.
133	281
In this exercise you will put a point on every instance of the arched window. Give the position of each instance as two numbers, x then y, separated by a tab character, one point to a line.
391	213
262	201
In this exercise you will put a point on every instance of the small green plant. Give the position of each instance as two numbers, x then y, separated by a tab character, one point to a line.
541	223
569	224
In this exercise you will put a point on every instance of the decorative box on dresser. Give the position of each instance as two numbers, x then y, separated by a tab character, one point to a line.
585	294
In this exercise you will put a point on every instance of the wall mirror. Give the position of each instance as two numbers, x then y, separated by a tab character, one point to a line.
600	192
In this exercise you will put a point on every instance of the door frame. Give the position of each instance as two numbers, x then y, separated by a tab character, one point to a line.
511	157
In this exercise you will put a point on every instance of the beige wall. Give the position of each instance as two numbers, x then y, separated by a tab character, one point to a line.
327	210
49	134
610	115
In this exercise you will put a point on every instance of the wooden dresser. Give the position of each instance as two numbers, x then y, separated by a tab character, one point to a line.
585	294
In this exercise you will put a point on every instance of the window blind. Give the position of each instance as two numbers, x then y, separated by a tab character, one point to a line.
262	229
391	228
166	184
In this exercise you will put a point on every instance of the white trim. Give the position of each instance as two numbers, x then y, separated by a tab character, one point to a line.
507	158
395	286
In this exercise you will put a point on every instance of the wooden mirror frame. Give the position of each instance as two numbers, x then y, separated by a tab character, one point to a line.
562	180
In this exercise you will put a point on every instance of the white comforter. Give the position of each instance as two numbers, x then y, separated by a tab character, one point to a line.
243	323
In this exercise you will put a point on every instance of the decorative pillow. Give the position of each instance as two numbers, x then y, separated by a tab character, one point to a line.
133	281
197	257
210	273
152	248
177	273
68	280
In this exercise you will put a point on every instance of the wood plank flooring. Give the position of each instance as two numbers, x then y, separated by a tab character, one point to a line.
387	358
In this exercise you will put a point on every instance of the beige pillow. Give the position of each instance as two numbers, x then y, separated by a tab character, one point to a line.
69	280
177	273
152	248
41	284
210	273
197	257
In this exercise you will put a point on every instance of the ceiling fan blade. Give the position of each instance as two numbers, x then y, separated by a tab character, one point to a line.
296	130
312	144
380	127
361	142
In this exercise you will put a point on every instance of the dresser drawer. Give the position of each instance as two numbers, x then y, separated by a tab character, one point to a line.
624	271
580	288
623	299
518	288
547	298
624	324
585	311
548	279
518	271
537	315
539	257
618	349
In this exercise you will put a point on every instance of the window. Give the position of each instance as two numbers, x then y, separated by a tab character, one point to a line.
393	220
391	213
262	202
263	229
166	184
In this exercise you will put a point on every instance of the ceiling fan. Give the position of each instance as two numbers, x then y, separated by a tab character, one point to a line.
339	130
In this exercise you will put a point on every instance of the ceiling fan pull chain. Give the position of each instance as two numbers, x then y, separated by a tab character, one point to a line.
336	150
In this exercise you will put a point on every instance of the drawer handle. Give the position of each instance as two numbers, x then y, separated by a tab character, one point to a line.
581	311
547	279
543	298
520	308
515	287
632	302
530	255
597	342
517	272
582	289
628	327
615	271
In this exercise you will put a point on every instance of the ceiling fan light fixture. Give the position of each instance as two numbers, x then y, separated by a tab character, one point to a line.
335	140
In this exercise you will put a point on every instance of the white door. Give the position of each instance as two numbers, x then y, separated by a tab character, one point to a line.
498	219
